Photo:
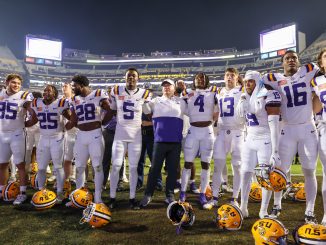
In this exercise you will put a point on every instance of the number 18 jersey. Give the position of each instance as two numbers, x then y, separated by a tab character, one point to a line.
296	94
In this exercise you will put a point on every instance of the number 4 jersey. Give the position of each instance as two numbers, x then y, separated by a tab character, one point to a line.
50	116
128	105
12	113
296	93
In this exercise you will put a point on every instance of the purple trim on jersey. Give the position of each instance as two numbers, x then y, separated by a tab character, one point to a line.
167	129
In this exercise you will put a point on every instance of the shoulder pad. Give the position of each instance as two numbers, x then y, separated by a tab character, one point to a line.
98	92
24	95
271	77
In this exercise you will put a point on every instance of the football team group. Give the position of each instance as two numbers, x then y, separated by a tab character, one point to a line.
262	122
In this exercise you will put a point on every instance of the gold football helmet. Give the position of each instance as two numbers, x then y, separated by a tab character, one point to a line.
255	194
295	192
208	192
229	217
80	198
269	231
10	192
262	174
277	179
67	188
34	167
181	213
43	199
96	214
310	234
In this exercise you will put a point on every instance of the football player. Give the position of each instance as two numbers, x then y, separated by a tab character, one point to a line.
127	101
13	106
260	106
298	131
86	114
70	137
319	85
49	112
230	136
200	138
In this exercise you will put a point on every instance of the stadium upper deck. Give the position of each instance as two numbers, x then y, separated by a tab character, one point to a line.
104	70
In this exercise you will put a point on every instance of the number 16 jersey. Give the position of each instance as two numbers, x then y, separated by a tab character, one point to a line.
128	105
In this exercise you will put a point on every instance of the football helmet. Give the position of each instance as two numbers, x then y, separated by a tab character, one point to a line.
34	167
229	217
43	199
269	231
295	192
96	214
34	182
10	192
255	194
270	178
80	198
67	188
208	192
310	234
181	213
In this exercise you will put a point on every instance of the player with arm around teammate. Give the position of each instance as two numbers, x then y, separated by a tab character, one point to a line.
86	115
13	106
260	106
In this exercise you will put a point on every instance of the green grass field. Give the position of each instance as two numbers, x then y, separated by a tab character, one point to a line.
60	225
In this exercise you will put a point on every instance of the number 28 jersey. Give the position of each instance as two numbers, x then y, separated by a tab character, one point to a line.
12	113
296	93
319	85
128	105
50	116
201	104
88	108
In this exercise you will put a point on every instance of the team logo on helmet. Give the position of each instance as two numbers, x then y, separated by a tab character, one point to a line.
255	194
10	191
229	217
180	214
310	234
96	214
272	179
43	199
269	231
277	179
80	198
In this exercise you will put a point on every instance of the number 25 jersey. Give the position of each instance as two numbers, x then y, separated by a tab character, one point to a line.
296	93
128	105
12	113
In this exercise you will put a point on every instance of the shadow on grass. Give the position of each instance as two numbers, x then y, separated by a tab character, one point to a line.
122	227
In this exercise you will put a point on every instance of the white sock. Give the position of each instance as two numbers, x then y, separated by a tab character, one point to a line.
266	196
204	179
114	179
98	179
310	189
236	181
41	178
80	177
185	178
245	183
60	179
224	171
133	176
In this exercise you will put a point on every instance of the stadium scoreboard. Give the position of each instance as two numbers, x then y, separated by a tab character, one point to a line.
43	51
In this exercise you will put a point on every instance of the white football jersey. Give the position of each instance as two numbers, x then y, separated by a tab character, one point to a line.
88	109
296	93
319	86
12	113
257	123
227	101
201	104
128	105
50	116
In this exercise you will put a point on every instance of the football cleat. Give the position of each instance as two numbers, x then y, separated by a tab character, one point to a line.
202	199
112	203
177	187
211	204
310	234
145	201
43	199
20	199
96	214
80	198
182	196
169	200
10	191
269	231
234	201
276	211
229	217
310	218
134	204
226	188
193	188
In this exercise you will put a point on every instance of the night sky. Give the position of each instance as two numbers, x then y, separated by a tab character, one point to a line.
143	26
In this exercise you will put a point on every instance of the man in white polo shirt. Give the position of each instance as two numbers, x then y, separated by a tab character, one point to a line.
167	113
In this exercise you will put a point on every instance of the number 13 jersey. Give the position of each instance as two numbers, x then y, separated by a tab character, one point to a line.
296	93
128	105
